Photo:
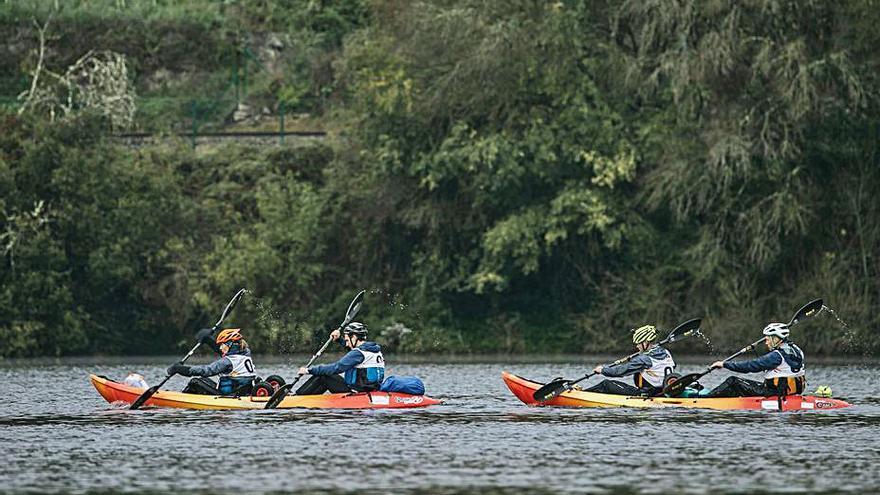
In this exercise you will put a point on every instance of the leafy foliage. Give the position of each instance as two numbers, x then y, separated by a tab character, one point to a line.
505	176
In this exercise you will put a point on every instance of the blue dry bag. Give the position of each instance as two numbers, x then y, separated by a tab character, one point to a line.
403	384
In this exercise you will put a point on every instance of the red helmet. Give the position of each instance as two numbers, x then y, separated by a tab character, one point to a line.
229	335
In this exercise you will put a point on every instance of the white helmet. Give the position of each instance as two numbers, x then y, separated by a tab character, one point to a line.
776	330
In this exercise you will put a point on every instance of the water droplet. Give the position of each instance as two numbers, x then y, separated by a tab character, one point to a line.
850	340
706	341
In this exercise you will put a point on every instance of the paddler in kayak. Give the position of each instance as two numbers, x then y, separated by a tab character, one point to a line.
783	368
649	369
235	367
363	367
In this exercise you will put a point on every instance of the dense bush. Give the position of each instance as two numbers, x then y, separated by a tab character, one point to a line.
507	176
191	62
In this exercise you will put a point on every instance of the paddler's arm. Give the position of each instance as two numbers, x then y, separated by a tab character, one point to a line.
349	361
636	364
222	365
764	363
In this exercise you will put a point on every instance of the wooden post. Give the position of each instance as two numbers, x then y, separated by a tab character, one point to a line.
195	125
281	121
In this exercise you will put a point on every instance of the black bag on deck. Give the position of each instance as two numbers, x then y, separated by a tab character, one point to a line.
202	386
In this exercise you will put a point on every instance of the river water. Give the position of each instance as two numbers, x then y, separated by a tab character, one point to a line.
59	436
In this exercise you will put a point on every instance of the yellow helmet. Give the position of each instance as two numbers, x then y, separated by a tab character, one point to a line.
645	333
229	335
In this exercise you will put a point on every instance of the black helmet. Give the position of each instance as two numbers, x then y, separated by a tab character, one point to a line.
356	328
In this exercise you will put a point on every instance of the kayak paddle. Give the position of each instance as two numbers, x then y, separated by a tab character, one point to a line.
555	388
152	390
675	388
353	309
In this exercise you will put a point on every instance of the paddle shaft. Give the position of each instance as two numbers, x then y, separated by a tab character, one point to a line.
316	356
615	363
631	356
152	390
554	389
806	311
167	377
733	356
352	311
794	319
568	385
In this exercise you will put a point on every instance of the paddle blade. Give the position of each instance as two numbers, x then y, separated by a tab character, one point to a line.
279	395
354	307
683	331
144	397
809	310
551	390
675	388
229	306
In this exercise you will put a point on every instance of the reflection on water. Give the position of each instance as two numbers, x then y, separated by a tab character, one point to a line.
61	436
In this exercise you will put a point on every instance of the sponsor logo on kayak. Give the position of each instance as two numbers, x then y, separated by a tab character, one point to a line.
824	404
408	400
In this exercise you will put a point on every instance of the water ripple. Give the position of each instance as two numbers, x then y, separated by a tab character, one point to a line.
67	439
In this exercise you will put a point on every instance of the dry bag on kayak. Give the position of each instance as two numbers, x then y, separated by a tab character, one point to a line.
403	384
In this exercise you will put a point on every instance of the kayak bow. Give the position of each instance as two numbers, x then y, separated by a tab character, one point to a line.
524	389
115	392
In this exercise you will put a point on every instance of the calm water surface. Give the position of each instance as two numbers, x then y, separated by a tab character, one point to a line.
59	435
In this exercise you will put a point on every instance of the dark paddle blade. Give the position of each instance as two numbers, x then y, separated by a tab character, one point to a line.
809	310
551	390
683	331
145	396
279	395
229	306
353	308
675	388
152	390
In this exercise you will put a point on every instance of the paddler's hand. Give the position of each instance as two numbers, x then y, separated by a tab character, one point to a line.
206	336
178	369
335	334
303	371
598	369
716	365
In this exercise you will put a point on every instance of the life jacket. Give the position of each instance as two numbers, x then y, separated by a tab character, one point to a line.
242	366
240	380
661	365
790	376
367	375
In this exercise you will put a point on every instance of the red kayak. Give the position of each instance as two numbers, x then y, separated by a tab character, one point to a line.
115	392
523	389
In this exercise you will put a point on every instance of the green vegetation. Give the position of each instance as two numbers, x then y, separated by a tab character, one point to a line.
528	176
194	61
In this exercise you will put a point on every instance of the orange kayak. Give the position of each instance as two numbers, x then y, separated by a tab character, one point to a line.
523	389
115	392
